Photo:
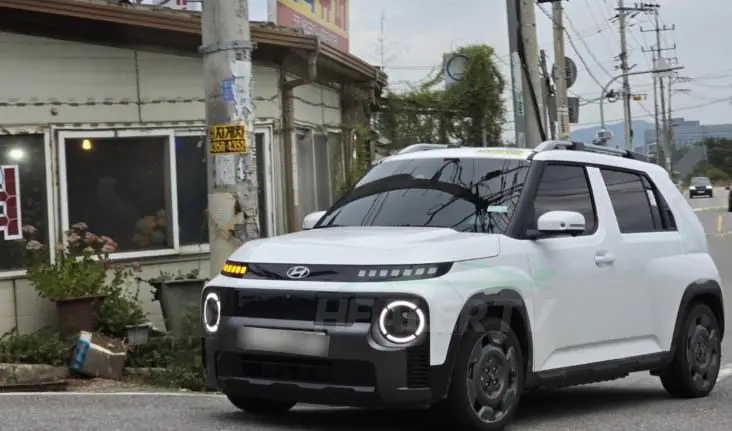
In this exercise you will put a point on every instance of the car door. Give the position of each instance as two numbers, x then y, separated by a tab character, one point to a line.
648	240
574	276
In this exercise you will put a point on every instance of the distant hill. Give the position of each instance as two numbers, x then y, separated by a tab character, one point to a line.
639	127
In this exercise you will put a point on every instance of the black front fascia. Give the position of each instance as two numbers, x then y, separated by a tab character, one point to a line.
344	273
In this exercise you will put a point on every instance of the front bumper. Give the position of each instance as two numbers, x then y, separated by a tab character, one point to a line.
356	371
701	192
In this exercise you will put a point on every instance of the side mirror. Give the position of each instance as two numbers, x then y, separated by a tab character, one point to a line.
554	223
312	219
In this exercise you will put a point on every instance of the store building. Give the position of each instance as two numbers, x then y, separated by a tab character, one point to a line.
102	122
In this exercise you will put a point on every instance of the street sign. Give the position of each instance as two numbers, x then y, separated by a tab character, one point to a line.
227	139
453	68
571	71
574	108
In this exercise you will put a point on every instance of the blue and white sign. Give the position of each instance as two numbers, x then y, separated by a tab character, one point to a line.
227	89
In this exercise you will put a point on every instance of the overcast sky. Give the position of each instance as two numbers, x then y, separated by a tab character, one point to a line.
418	32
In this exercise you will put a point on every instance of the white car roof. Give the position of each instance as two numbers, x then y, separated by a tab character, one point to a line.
589	157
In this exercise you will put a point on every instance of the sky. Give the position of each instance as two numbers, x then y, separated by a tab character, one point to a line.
418	32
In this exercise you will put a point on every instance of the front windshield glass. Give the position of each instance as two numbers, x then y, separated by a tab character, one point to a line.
700	181
465	194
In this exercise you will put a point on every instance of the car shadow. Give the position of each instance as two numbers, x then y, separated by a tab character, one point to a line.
535	407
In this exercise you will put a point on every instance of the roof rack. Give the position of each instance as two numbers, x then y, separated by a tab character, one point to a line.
423	147
592	148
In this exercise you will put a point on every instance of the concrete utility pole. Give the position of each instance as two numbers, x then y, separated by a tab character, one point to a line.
628	120
548	92
662	140
525	80
671	91
232	178
561	75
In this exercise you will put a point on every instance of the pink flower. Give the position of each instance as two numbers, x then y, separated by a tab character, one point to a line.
108	248
90	237
33	245
80	226
74	238
29	229
60	247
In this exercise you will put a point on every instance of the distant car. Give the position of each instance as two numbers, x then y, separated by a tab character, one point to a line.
700	186
729	201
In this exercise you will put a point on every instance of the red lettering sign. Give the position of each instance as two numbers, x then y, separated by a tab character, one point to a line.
10	221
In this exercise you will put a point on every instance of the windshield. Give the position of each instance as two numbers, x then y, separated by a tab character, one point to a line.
700	181
468	195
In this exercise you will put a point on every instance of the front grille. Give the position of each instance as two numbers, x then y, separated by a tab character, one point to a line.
418	365
322	308
294	369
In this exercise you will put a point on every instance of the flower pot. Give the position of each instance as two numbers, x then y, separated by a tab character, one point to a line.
76	314
176	296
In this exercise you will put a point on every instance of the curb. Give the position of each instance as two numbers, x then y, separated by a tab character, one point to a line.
23	374
19	374
57	386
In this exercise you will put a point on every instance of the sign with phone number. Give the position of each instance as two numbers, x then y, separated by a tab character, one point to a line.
227	139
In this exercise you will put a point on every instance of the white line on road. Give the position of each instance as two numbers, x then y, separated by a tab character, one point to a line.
108	394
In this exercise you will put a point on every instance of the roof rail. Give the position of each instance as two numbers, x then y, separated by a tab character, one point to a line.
592	148
424	147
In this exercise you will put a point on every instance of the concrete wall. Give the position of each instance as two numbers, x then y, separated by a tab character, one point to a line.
40	80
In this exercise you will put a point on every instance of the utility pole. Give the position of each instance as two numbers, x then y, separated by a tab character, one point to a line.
671	91
662	140
628	121
232	177
527	96
548	92
561	75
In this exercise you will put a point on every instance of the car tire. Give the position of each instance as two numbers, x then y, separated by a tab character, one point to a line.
695	365
729	207
260	407
496	351
691	196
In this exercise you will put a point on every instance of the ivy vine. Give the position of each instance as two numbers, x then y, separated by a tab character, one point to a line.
467	111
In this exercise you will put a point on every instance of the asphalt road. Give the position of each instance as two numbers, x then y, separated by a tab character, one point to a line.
635	403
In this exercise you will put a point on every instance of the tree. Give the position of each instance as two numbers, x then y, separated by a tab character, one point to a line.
719	153
463	112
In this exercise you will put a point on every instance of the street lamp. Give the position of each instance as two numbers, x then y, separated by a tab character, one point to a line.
615	78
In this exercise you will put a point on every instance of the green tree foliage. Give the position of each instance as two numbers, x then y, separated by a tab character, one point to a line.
461	112
718	166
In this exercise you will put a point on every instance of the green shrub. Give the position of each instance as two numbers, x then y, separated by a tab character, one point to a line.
41	347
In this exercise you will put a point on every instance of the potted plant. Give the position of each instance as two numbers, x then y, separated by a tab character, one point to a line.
176	292
76	279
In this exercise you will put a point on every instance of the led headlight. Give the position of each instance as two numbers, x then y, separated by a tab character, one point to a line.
402	322
234	269
211	314
407	272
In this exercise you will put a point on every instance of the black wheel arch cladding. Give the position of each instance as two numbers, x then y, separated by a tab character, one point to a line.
506	305
707	292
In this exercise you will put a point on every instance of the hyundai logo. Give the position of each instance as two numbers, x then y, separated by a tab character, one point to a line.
298	272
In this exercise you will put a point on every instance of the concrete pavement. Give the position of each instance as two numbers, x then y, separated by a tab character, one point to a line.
635	403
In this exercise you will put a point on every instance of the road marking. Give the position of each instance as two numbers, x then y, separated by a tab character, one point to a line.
112	394
696	210
720	224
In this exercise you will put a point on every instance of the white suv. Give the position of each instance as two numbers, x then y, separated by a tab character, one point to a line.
460	278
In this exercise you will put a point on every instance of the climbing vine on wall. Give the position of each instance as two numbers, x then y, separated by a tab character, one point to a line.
467	111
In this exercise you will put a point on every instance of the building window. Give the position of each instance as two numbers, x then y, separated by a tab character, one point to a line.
314	173
120	187
23	195
190	158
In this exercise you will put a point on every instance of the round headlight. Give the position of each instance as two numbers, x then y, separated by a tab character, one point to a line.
211	312
401	322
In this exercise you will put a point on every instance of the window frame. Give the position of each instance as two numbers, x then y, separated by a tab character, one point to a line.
169	135
51	199
664	209
518	227
201	248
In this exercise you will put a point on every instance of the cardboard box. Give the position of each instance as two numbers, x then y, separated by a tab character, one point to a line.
96	355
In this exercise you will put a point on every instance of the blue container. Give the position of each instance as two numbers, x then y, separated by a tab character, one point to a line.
78	357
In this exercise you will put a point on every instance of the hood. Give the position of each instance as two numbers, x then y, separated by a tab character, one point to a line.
370	246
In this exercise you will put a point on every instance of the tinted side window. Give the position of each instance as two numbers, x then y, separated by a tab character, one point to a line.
659	207
565	188
635	205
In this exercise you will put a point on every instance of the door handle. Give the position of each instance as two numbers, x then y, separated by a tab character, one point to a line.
603	258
